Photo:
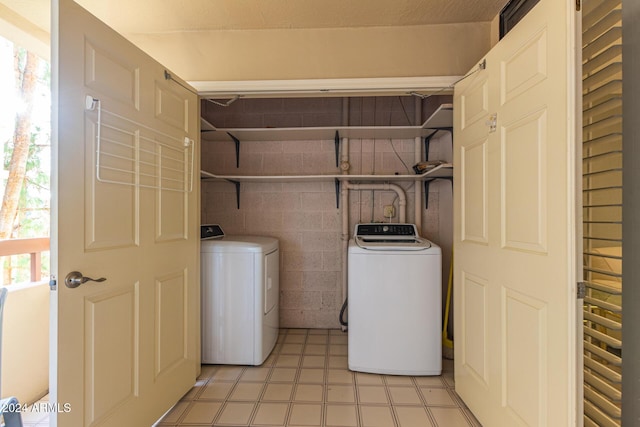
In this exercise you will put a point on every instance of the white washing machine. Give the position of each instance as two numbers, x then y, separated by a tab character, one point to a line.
395	307
240	291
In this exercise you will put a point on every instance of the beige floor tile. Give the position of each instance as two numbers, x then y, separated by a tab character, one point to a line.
341	393
450	417
306	414
216	390
338	362
207	371
404	396
413	416
341	415
287	360
339	339
291	349
369	379
306	382
377	416
372	394
309	393
235	413
398	380
430	381
173	415
313	361
273	414
311	375
315	349
202	412
338	349
437	397
295	339
283	375
317	339
271	360
339	376
227	373
246	391
195	390
278	392
255	374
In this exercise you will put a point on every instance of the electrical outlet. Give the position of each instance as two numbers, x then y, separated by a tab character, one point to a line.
389	211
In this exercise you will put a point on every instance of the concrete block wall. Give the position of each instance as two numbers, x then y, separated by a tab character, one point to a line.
303	215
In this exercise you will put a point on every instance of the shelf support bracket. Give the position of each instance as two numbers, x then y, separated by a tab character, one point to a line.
336	142
237	141
237	184
427	140
427	183
337	185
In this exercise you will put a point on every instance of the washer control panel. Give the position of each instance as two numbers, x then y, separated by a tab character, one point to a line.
386	230
211	231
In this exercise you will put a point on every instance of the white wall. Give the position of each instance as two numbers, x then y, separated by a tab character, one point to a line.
25	342
320	53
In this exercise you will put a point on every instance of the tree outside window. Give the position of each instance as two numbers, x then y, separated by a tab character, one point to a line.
25	135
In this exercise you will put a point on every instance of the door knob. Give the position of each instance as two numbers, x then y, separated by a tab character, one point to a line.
75	279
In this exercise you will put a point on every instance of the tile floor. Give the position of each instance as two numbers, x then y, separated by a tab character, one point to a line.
305	382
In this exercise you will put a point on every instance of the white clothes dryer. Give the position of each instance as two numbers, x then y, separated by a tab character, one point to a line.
240	292
394	301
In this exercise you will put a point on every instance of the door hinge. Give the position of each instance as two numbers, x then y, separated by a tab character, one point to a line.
492	122
582	290
578	5
53	283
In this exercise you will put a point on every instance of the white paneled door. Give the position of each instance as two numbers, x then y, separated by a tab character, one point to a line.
515	226
125	208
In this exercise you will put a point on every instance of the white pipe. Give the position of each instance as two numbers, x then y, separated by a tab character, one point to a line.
417	209
402	198
344	201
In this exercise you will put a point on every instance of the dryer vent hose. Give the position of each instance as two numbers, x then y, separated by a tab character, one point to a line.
342	310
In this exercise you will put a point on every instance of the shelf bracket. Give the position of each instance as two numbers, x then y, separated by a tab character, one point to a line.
336	142
237	184
427	140
427	183
337	184
237	141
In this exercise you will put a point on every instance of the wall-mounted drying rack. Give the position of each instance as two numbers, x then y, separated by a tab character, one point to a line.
133	154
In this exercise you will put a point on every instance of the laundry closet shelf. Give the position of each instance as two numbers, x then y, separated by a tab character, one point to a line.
442	118
441	171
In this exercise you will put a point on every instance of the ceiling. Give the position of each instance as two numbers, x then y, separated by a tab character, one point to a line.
201	39
161	16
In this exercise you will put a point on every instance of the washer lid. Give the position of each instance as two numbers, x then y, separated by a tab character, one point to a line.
258	244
